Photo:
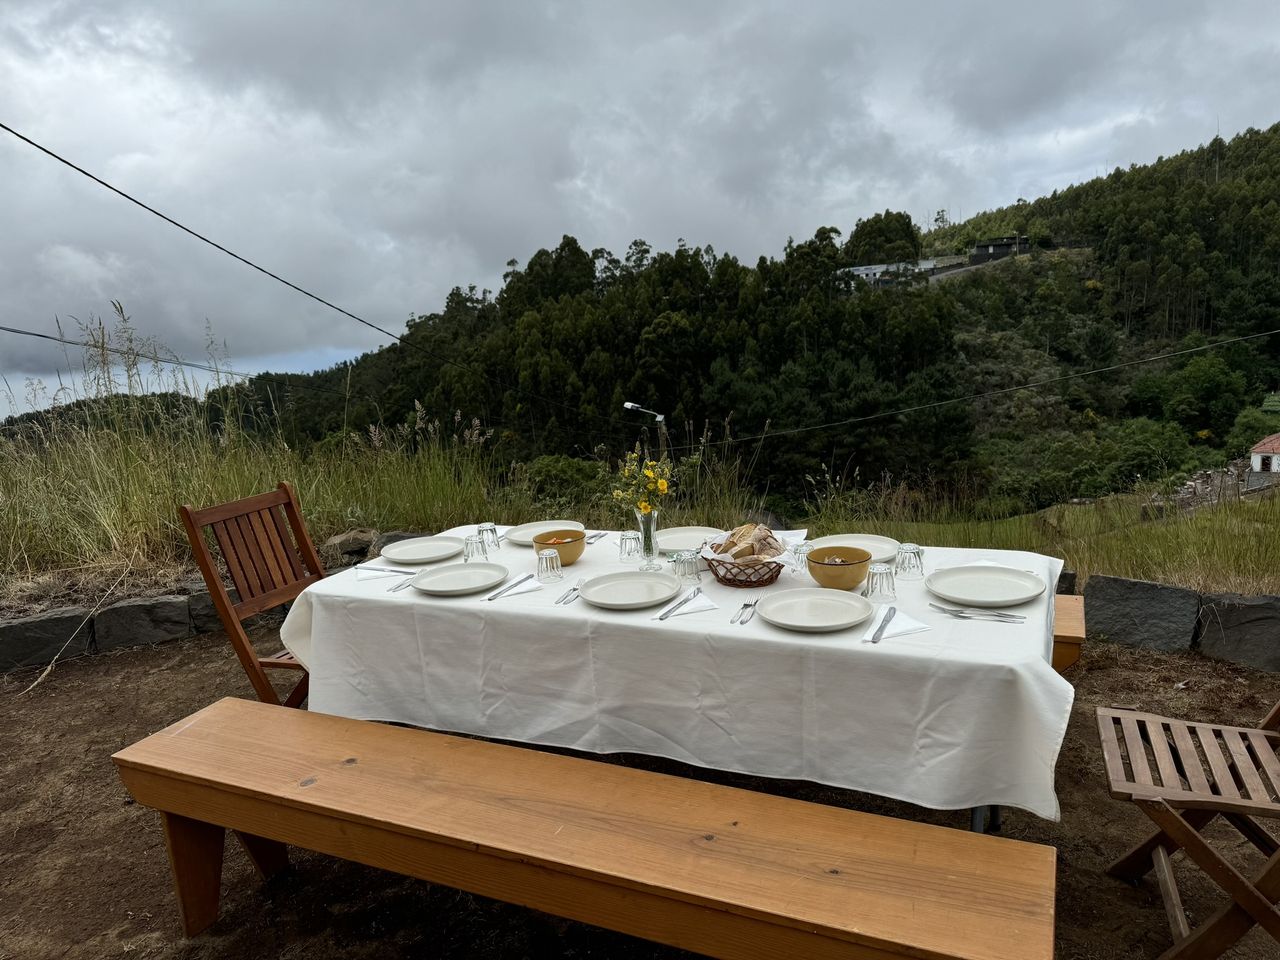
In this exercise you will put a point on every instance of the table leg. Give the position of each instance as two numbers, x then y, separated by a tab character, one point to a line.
195	856
978	820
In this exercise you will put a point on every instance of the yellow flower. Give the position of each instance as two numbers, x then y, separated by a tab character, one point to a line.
618	494
644	506
648	472
662	486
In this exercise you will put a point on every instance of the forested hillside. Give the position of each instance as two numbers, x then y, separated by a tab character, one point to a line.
1162	257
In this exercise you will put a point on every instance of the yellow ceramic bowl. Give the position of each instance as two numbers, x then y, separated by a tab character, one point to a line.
847	573
570	547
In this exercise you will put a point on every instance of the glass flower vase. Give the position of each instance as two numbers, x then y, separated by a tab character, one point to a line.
648	524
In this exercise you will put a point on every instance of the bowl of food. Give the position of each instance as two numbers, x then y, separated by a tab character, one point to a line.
568	543
840	568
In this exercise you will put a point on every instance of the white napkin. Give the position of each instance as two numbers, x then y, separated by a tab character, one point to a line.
899	626
791	537
698	604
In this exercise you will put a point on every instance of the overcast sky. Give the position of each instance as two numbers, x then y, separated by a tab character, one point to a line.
381	154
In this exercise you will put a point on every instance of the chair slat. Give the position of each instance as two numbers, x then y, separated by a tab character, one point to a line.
231	557
1245	767
1158	739
243	535
1111	753
1192	765
1137	751
1222	778
1265	749
265	547
283	545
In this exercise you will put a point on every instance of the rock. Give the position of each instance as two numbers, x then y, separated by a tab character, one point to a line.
345	547
395	536
1066	581
1138	613
355	541
36	640
204	615
1241	629
143	620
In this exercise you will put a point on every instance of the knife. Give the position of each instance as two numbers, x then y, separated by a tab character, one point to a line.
693	593
879	634
510	586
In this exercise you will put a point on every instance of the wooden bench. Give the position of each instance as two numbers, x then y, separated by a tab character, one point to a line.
717	870
1068	630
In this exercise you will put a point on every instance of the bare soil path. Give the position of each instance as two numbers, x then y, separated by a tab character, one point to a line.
83	872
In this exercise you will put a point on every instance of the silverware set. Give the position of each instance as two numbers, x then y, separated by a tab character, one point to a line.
571	594
692	593
598	535
745	612
982	613
510	586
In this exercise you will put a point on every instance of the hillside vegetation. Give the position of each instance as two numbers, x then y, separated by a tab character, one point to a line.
1171	255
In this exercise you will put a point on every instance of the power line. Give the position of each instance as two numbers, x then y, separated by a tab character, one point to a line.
293	286
196	365
979	396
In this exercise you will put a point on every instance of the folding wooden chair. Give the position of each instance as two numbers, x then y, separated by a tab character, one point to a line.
1184	775
267	566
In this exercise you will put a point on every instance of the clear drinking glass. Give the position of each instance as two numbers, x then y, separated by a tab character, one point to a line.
629	547
686	563
488	532
910	565
801	552
549	566
880	587
473	548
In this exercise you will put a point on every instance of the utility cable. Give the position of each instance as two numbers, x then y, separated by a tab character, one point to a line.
979	396
302	290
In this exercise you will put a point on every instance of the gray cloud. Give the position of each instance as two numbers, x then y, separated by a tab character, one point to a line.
379	155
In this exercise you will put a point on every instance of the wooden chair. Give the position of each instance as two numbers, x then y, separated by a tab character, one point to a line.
1184	775
267	566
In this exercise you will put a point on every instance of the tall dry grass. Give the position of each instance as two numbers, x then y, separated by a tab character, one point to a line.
94	487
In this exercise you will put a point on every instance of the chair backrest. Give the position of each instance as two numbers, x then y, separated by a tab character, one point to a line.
269	556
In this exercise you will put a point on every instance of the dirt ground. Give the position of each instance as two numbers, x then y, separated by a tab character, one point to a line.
83	872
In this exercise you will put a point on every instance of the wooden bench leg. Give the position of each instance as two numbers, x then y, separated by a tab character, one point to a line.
268	857
195	855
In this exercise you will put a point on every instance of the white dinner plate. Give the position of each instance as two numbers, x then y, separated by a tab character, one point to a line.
882	549
422	549
814	610
675	539
523	535
455	579
629	590
985	585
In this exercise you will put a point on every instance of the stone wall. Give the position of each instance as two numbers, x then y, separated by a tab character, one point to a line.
1225	626
71	631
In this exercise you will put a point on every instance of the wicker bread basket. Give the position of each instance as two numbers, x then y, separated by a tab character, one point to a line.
734	574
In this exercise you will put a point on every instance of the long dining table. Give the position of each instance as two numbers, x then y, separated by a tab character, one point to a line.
963	714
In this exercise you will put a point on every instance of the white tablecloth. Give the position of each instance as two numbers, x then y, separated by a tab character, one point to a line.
961	715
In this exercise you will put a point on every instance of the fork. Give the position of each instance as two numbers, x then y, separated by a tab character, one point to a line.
571	594
598	535
959	615
748	608
982	612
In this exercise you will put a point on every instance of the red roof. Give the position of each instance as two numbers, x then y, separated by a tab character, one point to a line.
1269	444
